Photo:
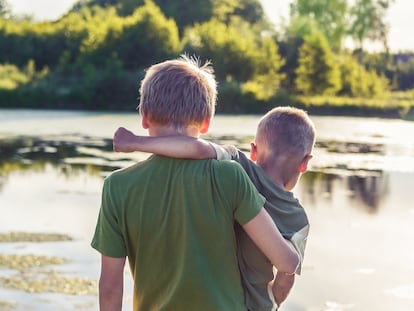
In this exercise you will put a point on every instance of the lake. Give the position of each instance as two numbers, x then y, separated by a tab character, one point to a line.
358	194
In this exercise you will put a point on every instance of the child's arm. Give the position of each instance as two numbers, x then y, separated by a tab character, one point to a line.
170	146
281	287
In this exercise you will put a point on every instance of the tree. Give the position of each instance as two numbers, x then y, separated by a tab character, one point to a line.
298	28
188	12
267	78
352	74
367	21
251	11
330	16
232	48
405	73
318	72
4	9
143	38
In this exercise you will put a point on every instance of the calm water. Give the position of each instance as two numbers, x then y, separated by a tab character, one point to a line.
358	194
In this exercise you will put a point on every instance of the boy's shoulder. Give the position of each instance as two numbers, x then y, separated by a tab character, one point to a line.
227	166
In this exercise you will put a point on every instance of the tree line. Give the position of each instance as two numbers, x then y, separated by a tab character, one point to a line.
94	56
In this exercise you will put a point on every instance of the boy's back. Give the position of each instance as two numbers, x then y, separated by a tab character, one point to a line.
184	215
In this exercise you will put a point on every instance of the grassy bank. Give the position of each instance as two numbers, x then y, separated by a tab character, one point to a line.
393	105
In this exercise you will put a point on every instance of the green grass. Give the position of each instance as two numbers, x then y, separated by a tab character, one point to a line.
394	104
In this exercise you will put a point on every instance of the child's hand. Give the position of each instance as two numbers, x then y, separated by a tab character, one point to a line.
124	140
282	285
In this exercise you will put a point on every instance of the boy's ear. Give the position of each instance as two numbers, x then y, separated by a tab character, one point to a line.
304	164
253	152
205	126
145	122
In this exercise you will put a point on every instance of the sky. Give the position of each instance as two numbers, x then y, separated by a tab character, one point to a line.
399	17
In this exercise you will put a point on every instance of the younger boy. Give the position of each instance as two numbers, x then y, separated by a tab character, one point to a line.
284	141
172	218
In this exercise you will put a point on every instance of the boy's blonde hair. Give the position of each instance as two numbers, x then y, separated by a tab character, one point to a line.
287	130
178	92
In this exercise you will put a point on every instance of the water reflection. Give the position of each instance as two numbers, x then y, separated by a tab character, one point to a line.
371	190
75	154
351	147
366	191
64	153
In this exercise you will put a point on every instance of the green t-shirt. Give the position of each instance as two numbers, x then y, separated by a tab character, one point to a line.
174	220
288	215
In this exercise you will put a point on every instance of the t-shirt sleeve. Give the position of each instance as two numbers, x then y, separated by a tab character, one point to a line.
108	238
298	240
224	152
248	201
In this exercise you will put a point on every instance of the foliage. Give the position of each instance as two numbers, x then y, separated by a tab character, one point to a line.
95	55
15	83
238	53
267	78
329	16
359	82
298	28
367	21
230	47
188	12
405	74
12	77
42	42
4	8
251	11
318	71
393	105
146	32
91	35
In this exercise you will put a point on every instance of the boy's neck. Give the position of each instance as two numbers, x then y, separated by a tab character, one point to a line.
274	177
281	174
191	131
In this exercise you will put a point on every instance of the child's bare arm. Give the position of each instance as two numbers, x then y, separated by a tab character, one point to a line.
170	146
282	285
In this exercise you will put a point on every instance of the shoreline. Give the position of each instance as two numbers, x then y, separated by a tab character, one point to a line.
398	112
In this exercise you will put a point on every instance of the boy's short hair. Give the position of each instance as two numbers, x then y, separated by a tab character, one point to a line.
178	92
287	130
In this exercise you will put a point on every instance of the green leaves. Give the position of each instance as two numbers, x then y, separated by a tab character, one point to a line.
318	71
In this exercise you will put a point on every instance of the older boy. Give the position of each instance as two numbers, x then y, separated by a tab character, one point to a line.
173	218
284	142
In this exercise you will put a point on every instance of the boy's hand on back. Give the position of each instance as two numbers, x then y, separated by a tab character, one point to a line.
124	140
